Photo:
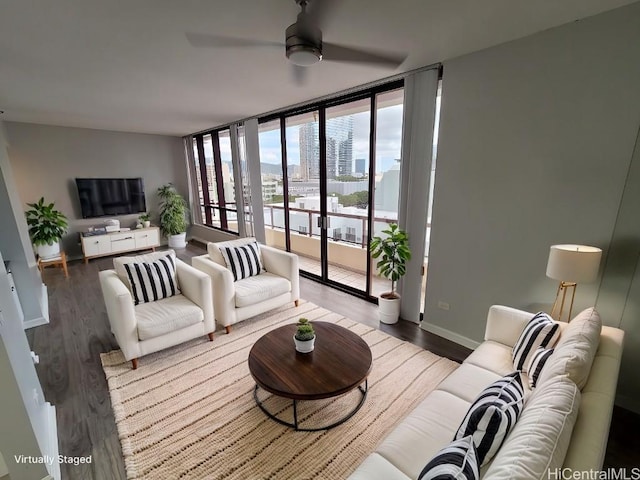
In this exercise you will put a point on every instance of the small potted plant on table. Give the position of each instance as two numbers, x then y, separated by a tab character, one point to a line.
304	337
145	219
392	252
46	227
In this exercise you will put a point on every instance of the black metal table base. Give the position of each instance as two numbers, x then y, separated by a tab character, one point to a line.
295	423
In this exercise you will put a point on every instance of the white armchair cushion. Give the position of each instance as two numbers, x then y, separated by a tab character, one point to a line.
167	315
252	290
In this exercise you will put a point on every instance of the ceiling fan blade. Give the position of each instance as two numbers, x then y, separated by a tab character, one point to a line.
212	40
299	74
339	53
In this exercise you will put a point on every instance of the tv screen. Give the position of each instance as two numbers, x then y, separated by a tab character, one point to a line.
101	197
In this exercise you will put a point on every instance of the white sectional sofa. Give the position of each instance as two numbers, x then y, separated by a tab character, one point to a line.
564	423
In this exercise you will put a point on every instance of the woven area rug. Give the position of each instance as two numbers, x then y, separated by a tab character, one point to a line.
189	411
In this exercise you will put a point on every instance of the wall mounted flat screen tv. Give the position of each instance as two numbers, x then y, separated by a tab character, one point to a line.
101	197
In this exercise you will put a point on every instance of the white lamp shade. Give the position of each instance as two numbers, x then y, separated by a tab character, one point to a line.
573	263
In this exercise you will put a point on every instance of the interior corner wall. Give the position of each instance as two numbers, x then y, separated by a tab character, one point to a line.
47	159
536	138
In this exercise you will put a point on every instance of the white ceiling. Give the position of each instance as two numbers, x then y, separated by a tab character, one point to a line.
126	64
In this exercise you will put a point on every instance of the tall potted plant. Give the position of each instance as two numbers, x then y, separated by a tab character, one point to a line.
173	216
392	252
46	227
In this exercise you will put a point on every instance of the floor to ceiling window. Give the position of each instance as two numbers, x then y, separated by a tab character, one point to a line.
215	180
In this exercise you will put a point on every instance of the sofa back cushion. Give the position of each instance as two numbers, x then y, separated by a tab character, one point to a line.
574	353
541	331
539	441
492	415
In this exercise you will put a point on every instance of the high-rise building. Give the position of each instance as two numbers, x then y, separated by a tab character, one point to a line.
339	148
361	166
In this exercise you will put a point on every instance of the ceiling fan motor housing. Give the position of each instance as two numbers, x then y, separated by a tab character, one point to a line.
303	42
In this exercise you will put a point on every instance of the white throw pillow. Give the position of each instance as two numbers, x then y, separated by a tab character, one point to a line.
540	440
574	353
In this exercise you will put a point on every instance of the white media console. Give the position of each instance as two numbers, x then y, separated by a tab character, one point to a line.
117	242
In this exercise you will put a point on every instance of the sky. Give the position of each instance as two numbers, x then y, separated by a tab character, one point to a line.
388	140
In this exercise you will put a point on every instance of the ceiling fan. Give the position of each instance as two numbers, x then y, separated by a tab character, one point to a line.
303	43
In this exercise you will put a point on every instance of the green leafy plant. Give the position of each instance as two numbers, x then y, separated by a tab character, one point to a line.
145	217
392	252
46	224
305	330
173	210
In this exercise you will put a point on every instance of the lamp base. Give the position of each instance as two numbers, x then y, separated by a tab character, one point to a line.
562	289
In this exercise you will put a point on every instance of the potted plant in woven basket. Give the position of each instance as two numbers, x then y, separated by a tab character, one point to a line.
46	227
392	252
304	337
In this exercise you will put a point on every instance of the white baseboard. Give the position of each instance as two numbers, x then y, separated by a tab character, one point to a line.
54	468
449	335
35	322
627	403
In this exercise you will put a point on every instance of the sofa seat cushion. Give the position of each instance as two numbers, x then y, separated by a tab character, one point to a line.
492	356
467	381
259	288
539	441
427	429
376	467
168	315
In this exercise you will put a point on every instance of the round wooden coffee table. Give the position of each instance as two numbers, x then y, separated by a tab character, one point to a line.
340	362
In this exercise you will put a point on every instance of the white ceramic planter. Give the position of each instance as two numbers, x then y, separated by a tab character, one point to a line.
178	241
304	346
146	223
48	251
389	310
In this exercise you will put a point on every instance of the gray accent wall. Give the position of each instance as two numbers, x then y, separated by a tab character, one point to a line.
47	159
536	140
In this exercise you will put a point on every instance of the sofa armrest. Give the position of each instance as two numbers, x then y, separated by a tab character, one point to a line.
121	313
196	286
505	324
283	264
223	290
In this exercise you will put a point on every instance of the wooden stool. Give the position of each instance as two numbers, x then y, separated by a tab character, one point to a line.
59	261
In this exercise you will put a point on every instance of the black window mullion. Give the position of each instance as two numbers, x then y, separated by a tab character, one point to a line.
203	178
373	118
285	182
322	134
217	164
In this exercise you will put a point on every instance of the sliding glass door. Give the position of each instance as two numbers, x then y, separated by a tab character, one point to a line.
330	181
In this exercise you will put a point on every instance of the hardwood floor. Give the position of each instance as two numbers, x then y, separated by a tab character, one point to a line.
73	380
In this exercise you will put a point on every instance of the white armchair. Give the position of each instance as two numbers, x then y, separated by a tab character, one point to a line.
149	327
246	298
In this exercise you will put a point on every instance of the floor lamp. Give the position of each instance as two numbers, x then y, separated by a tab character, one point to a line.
570	265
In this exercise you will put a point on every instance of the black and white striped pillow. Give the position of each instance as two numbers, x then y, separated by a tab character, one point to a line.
538	360
243	260
541	331
457	460
492	415
152	281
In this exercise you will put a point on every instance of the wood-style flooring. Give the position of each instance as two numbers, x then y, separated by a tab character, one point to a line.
72	378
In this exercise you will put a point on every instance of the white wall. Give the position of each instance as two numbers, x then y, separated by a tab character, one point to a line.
27	422
15	244
536	138
47	159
